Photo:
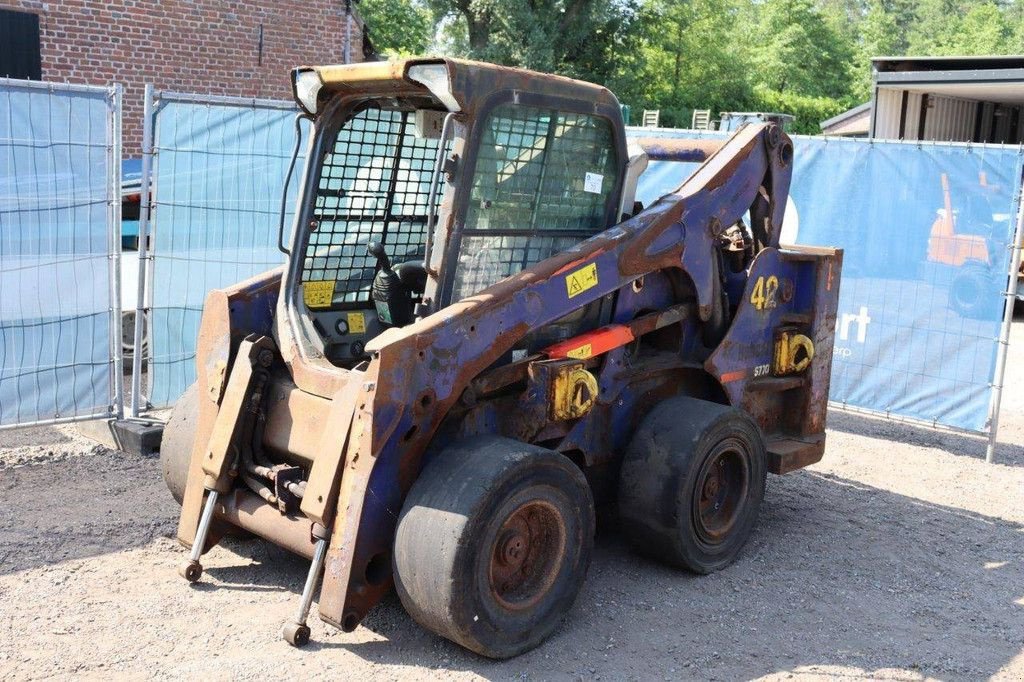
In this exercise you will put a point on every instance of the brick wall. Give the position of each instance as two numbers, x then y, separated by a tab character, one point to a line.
201	46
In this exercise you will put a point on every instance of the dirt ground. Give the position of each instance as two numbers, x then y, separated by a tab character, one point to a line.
899	556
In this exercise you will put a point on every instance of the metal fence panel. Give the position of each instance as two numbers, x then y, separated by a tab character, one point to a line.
59	236
928	232
218	173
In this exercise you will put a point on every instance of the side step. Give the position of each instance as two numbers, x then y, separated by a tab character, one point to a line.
788	454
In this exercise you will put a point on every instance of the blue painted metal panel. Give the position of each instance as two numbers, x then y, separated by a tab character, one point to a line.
909	341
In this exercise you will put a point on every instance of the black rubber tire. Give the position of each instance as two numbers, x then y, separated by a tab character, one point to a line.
968	291
448	538
663	468
176	444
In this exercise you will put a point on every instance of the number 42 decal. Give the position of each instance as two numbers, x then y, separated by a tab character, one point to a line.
763	295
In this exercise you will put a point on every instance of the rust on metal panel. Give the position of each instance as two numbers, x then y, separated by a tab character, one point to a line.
251	513
218	339
235	402
471	82
678	148
788	454
325	475
296	421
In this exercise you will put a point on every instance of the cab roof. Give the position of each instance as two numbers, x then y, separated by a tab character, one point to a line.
470	82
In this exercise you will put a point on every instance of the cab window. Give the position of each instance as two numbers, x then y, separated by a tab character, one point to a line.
543	181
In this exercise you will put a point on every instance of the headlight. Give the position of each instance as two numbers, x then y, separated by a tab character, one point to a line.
306	84
435	78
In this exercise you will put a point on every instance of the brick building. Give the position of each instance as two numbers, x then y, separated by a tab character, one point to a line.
222	47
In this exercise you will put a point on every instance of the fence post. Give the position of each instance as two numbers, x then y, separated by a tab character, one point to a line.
114	239
1004	333
144	209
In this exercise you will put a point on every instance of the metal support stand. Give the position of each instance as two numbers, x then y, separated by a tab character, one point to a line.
192	570
296	632
144	220
1004	333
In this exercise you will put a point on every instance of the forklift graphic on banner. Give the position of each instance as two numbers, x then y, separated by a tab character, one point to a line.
963	237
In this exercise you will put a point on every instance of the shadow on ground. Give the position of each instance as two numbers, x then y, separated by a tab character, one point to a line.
80	507
960	444
840	577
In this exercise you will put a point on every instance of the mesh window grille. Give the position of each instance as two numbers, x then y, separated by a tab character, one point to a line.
373	186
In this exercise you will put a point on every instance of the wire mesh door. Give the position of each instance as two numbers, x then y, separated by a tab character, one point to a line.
374	186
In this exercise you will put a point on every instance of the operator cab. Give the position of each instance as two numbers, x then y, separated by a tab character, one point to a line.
418	194
365	236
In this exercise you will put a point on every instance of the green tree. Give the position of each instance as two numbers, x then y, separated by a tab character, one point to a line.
794	50
880	35
577	38
964	27
810	58
398	27
983	30
685	57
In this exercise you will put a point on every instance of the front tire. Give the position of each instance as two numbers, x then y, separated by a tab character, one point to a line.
692	483
493	544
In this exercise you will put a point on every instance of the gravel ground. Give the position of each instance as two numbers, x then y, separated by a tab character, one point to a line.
899	556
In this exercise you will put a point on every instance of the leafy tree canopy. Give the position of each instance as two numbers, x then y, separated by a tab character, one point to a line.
810	58
398	27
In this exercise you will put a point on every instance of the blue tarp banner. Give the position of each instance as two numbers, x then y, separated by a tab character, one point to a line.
57	188
218	179
927	230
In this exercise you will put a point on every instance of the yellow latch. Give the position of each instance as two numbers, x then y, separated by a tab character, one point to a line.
793	353
573	394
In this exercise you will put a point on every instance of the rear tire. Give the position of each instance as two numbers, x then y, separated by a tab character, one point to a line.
692	483
493	544
176	444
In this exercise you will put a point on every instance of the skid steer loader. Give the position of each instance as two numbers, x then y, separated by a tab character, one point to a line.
478	335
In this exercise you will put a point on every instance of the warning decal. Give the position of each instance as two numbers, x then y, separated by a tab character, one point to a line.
581	353
318	294
356	323
579	281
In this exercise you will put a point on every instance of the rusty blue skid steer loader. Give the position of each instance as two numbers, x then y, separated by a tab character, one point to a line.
479	333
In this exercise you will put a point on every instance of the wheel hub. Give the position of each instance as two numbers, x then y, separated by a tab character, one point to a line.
527	556
722	488
512	548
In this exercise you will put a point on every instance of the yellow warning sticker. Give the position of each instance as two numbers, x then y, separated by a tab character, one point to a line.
579	281
318	294
356	323
581	353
